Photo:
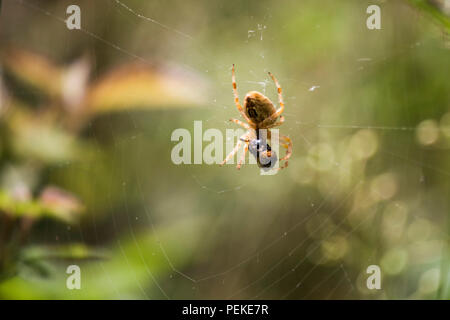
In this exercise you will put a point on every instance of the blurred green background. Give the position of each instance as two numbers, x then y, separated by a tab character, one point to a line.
86	176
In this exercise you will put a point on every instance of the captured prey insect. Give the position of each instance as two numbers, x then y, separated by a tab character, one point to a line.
259	147
259	113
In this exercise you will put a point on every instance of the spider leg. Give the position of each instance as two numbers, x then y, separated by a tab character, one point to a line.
236	97
232	153
242	124
236	148
280	96
242	156
288	145
280	110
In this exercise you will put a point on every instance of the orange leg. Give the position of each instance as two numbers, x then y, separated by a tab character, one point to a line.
241	140
280	110
242	124
288	145
241	161
236	96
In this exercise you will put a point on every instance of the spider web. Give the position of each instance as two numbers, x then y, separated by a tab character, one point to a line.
292	269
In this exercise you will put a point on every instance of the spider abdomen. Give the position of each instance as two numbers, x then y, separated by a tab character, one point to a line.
258	107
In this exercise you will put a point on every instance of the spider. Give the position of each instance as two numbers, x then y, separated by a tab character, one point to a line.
259	113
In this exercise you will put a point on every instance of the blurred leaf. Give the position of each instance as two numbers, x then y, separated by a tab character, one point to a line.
435	9
40	138
16	207
19	289
38	267
136	85
60	204
34	70
74	84
140	255
52	202
6	202
77	251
